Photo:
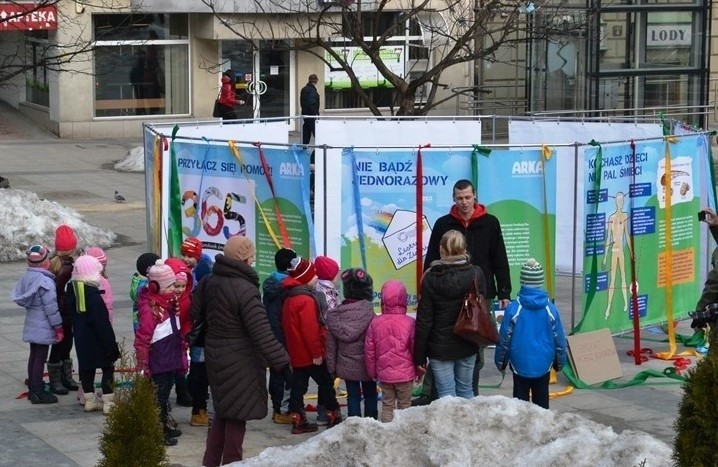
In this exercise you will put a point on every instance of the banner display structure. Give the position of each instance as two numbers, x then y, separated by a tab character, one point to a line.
379	220
227	191
565	132
527	212
651	193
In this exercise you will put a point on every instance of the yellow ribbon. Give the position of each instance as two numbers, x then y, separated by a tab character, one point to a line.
546	153
565	392
668	257
238	156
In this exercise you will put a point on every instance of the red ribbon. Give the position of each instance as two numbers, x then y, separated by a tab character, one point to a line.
419	216
165	144
280	219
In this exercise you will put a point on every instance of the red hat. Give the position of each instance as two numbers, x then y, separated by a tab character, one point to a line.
65	239
192	247
303	270
327	268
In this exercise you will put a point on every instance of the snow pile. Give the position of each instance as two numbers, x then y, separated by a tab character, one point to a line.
133	162
25	219
491	430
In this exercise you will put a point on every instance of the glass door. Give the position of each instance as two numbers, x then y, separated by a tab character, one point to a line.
262	77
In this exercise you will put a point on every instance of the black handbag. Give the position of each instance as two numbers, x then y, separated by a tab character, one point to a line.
195	338
217	111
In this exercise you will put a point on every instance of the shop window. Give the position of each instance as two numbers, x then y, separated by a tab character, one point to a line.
141	65
37	89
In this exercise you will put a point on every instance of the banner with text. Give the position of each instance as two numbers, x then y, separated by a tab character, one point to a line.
527	211
226	193
626	194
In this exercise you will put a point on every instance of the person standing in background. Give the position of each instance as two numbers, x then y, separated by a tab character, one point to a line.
309	102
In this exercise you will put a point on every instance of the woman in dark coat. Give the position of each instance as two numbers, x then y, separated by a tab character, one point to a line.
239	344
95	341
442	292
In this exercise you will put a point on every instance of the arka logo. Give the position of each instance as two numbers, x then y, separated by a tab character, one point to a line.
526	167
291	169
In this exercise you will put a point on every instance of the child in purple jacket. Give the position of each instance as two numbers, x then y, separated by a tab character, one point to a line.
389	349
35	291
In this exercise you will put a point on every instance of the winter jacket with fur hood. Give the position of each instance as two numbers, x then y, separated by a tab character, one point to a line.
35	291
239	344
347	325
389	343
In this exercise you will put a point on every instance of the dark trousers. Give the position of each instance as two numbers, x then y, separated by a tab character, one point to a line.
355	391
36	366
477	369
326	395
277	386
224	442
308	129
538	387
87	380
198	386
163	387
61	351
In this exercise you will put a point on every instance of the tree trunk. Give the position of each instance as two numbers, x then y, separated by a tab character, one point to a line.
406	105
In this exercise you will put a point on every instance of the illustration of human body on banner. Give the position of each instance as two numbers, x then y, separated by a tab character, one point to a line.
224	195
627	193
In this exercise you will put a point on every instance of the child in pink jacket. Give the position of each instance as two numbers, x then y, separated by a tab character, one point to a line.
388	350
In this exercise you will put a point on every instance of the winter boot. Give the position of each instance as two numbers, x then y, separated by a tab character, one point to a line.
37	395
108	403
54	371
282	418
199	419
67	379
91	402
334	417
300	424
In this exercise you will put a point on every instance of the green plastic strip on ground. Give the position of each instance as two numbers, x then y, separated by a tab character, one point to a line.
640	378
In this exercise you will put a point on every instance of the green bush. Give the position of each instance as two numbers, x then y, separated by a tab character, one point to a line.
696	443
132	435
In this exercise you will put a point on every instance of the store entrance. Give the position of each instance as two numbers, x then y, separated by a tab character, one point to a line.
262	77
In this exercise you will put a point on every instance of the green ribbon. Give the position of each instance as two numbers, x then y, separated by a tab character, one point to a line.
478	150
640	378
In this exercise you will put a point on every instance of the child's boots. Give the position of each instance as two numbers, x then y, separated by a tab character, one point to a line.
300	424
334	417
91	403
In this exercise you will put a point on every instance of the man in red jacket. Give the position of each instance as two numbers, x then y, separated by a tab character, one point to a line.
304	336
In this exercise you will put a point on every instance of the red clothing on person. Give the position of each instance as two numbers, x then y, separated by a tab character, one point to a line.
226	96
304	335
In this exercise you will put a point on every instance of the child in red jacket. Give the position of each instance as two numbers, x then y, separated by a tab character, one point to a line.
389	350
305	336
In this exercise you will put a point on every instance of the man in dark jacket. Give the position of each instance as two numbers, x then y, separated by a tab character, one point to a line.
485	245
273	295
239	344
309	101
710	289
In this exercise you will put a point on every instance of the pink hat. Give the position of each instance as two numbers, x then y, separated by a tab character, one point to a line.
86	268
181	277
162	274
303	271
37	254
98	253
65	239
327	268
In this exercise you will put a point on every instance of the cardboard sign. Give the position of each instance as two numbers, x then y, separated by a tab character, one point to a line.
593	356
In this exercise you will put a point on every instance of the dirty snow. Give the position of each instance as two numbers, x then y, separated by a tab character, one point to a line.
133	162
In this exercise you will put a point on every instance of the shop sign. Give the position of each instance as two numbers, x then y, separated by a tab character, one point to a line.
661	35
27	17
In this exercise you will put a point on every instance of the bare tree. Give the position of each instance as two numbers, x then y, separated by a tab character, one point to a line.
454	32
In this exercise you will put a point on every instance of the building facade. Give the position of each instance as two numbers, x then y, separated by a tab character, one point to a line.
155	60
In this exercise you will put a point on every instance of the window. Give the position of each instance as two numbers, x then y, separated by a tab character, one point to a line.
37	90
404	53
141	64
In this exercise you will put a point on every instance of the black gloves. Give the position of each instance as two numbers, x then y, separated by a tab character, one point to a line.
288	375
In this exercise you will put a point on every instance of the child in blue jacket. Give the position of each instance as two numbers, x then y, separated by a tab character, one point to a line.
531	339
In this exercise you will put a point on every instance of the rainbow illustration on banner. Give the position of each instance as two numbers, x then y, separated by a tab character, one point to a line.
380	221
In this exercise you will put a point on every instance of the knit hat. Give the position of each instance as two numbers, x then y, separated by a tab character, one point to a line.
192	247
302	270
37	254
181	277
239	247
531	274
357	284
283	259
327	268
65	239
98	253
144	261
86	268
162	274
